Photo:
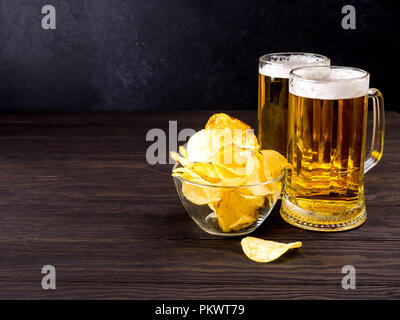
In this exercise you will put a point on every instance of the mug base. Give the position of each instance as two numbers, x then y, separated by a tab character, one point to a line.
318	221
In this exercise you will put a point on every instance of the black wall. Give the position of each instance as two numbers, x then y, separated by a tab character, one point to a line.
177	54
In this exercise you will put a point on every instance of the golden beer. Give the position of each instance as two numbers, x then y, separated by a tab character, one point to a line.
273	95
326	146
272	112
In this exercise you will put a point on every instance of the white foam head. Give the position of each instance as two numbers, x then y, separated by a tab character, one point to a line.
329	83
279	65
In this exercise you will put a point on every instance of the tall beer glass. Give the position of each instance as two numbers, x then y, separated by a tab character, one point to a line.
326	144
273	74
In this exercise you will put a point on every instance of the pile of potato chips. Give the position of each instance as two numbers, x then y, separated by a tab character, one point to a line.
224	168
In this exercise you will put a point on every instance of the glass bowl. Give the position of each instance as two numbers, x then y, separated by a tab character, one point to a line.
235	199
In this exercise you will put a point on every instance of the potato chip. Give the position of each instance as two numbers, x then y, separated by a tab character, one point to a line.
233	131
274	163
233	158
183	152
197	194
207	171
182	160
222	120
199	147
229	178
212	205
187	174
260	175
201	195
256	177
235	211
260	250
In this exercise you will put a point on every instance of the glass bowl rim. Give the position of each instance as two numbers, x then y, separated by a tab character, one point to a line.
280	177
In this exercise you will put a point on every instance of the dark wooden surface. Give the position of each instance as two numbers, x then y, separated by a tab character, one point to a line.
76	192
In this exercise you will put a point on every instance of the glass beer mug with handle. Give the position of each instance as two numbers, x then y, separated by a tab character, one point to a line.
327	123
273	79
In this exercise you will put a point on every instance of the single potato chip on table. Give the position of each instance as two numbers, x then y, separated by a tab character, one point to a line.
260	250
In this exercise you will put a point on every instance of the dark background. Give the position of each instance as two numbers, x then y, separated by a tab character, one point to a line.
176	54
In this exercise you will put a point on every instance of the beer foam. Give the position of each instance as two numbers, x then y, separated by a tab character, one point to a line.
279	66
329	83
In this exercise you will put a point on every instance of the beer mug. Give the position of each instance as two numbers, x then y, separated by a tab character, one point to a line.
324	188
273	78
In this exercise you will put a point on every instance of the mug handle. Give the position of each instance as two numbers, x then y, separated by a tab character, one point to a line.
378	129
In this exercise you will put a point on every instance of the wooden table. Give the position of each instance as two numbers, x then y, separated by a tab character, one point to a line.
77	193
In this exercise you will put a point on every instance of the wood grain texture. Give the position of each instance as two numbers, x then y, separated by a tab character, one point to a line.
76	192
